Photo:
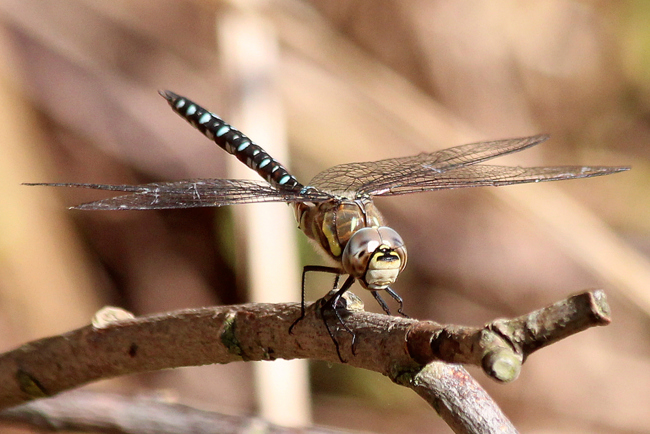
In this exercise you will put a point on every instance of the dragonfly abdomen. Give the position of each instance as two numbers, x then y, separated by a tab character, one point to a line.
232	141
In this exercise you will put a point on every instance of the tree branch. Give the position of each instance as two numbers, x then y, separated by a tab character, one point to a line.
461	402
118	414
402	349
501	346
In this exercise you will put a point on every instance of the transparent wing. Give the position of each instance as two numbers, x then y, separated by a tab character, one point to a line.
192	193
485	175
372	176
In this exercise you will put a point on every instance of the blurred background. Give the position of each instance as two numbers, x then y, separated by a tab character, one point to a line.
320	83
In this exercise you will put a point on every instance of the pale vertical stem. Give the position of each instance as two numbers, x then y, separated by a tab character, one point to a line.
249	53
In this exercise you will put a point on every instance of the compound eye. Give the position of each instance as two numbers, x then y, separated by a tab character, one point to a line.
375	256
359	250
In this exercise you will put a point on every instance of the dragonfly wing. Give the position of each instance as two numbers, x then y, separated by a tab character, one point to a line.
365	177
192	194
486	175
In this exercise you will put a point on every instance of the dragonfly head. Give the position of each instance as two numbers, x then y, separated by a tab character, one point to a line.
375	256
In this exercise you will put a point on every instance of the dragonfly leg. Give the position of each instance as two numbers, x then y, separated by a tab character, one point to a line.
381	302
305	270
397	299
333	304
337	278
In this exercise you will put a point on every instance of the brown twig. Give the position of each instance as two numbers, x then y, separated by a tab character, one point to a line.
402	349
118	414
501	346
449	388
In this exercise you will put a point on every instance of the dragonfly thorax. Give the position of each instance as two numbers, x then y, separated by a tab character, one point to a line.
351	232
331	224
375	256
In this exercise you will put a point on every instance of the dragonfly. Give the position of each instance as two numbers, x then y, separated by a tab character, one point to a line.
335	209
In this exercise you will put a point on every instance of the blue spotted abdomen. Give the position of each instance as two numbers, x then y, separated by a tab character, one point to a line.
232	141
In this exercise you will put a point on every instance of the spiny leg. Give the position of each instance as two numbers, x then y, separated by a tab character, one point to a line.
332	304
381	302
398	299
305	270
337	278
